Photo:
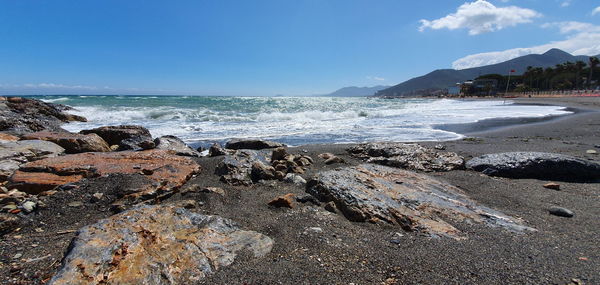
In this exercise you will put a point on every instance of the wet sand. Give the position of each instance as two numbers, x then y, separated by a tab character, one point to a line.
347	252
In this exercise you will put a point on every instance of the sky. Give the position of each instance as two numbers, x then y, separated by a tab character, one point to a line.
271	47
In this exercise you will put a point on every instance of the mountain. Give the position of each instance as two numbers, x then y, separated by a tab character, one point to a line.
356	91
444	78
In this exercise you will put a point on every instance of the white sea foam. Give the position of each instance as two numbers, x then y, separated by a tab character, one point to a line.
296	120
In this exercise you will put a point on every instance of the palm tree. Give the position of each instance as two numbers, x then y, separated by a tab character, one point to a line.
593	62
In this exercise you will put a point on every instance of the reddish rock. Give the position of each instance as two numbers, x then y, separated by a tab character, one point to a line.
552	185
72	143
168	171
286	200
8	137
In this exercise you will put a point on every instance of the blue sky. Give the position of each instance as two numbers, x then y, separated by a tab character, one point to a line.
268	47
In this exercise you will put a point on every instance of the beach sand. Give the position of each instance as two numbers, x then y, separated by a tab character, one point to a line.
347	252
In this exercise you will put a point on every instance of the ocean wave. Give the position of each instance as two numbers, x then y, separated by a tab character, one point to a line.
61	99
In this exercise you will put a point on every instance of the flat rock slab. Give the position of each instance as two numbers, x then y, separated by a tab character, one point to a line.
251	144
156	245
413	201
13	154
409	156
72	143
537	165
168	171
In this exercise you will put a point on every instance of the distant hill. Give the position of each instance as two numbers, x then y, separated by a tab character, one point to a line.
444	78
356	91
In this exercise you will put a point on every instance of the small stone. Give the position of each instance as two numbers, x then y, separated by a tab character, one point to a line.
114	147
334	159
28	206
591	151
561	212
552	185
308	198
18	255
283	201
294	178
316	230
326	155
39	230
146	171
278	154
395	241
75	204
330	206
9	207
97	197
439	147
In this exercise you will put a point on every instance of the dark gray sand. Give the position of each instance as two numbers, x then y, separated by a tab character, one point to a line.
361	253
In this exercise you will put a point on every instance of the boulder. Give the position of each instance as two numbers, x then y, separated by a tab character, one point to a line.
164	171
216	150
252	144
127	137
22	115
176	145
413	201
156	245
285	201
236	168
15	153
536	165
408	156
72	143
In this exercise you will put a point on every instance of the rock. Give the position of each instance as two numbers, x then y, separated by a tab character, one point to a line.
72	143
14	154
369	193
21	115
408	156
279	154
294	178
28	206
308	198
75	204
216	150
334	159
97	197
168	171
236	168
199	189
553	186
326	155
260	171
313	230
591	151
330	207
561	212
156	245
176	145
8	223
286	200
251	144
439	147
537	165
8	137
128	137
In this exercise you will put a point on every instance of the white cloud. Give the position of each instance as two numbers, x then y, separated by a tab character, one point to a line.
596	11
582	39
481	17
565	3
376	78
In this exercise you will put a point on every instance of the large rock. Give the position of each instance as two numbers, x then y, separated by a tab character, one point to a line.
127	137
166	171
156	245
15	153
72	143
251	144
21	115
413	201
176	145
8	137
409	156
538	165
237	168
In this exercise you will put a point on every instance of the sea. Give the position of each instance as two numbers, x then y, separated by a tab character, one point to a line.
201	121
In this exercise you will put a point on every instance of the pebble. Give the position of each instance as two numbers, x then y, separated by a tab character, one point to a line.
439	147
97	196
561	212
316	230
75	204
17	256
591	151
552	185
28	206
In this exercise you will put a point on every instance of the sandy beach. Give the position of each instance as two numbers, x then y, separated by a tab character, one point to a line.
562	250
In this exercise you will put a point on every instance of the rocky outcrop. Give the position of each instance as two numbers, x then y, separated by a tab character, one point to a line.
413	201
216	150
537	165
164	170
8	137
156	245
251	144
236	168
408	156
15	153
21	115
175	145
72	143
127	137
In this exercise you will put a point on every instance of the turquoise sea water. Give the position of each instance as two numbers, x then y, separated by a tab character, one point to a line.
292	120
